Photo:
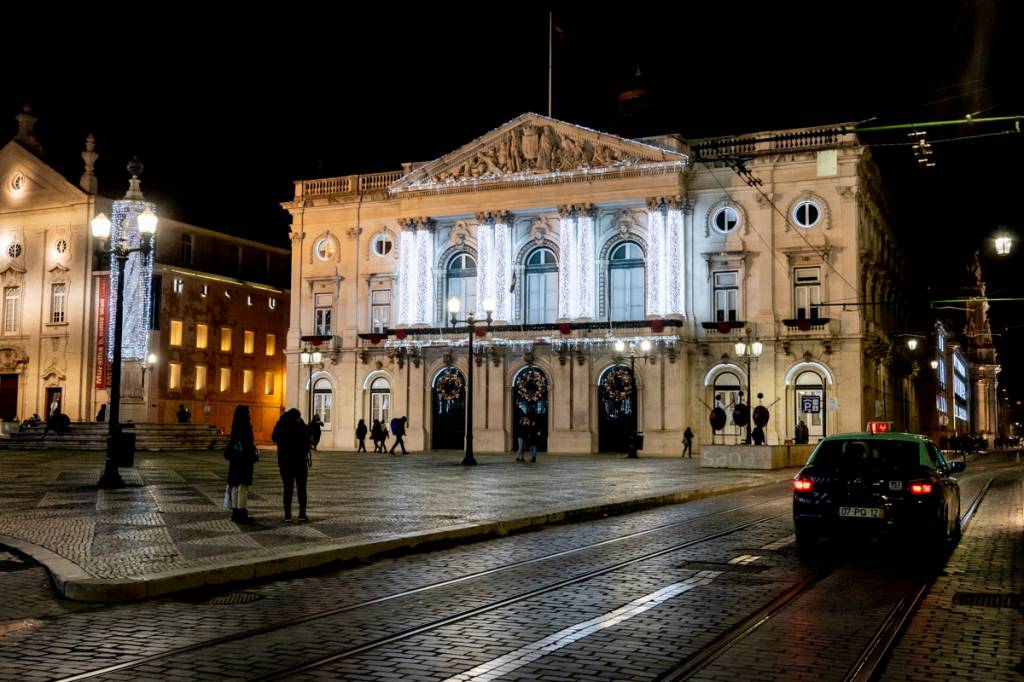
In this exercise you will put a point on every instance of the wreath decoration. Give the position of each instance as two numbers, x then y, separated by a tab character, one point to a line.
449	386
531	386
618	384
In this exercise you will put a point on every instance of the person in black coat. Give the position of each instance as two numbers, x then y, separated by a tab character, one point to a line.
241	456
361	436
377	436
292	438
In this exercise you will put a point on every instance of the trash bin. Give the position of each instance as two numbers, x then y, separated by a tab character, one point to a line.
124	449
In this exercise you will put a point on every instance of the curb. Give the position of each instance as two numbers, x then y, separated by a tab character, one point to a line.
74	582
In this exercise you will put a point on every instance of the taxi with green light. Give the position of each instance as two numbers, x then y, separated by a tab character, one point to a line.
879	482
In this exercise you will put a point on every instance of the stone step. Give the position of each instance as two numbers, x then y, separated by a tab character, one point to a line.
93	436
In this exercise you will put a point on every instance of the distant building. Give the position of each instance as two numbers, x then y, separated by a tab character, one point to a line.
586	243
56	312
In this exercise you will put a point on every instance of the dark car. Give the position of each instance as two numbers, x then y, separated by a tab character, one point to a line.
879	483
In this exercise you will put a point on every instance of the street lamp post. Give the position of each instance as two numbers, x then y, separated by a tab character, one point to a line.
454	305
748	350
111	478
146	367
311	359
644	347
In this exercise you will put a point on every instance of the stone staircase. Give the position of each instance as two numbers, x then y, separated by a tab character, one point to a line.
93	436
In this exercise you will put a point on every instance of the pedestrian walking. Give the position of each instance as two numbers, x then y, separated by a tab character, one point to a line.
241	454
101	416
525	424
315	429
361	436
533	440
292	438
184	416
688	442
377	436
398	425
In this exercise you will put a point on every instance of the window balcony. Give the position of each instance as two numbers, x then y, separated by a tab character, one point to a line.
724	327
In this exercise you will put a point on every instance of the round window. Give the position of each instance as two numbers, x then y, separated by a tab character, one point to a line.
382	244
725	219
61	246
325	248
14	250
806	214
17	182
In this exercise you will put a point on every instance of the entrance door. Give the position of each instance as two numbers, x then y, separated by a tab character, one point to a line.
449	399
530	400
9	397
616	399
54	393
810	405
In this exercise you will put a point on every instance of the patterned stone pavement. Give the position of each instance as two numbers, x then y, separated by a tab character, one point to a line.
170	519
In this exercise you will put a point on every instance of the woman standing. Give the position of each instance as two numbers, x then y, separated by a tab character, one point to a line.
241	456
377	436
292	438
361	436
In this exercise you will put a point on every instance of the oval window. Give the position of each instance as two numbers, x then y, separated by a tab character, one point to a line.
726	219
806	214
325	248
382	244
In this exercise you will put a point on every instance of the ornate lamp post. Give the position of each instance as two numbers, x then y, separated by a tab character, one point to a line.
120	251
749	349
311	359
454	305
642	349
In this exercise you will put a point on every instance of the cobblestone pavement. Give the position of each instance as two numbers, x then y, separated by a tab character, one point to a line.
170	517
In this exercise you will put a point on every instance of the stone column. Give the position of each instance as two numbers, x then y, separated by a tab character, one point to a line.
584	264
566	263
424	283
407	262
675	261
656	270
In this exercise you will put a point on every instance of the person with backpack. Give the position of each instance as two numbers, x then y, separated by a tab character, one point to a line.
398	425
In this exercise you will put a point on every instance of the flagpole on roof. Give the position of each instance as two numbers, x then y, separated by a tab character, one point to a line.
551	66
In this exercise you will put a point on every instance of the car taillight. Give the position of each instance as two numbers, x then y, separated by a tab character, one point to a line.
920	488
803	485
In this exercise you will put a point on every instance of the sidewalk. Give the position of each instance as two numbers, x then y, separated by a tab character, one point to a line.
167	531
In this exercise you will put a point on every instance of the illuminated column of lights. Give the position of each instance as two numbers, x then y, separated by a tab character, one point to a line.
424	275
566	265
585	264
406	276
655	258
675	263
484	265
502	271
138	277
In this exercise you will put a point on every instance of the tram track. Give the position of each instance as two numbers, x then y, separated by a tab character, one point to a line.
327	613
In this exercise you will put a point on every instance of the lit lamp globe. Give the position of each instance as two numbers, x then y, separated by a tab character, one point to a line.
1003	245
741	348
488	305
755	348
934	364
151	359
101	227
912	344
645	345
304	357
620	346
454	306
147	223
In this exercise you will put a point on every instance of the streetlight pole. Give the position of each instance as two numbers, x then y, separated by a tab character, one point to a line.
453	307
749	349
644	347
111	478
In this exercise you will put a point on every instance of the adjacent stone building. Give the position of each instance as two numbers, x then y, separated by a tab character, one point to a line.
621	273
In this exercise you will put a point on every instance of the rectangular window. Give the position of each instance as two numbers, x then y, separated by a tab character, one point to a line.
268	383
322	315
200	378
807	292
174	376
175	332
58	297
727	296
225	339
12	301
202	334
941	404
271	345
247	375
380	309
225	379
249	342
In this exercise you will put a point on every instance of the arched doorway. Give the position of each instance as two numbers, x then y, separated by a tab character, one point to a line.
616	404
322	399
530	399
809	393
449	410
726	395
380	401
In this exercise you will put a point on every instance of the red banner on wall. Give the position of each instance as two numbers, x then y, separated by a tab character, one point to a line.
102	308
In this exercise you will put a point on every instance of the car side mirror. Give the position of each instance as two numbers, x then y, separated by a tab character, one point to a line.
956	467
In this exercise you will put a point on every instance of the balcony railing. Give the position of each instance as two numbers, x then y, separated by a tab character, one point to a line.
346	185
773	142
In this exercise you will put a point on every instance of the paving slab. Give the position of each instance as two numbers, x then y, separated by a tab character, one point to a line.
167	530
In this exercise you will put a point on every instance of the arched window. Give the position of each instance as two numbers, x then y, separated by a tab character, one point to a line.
726	396
380	400
810	403
461	282
541	304
322	401
626	279
186	249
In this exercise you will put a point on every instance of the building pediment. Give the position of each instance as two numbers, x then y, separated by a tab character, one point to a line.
27	181
534	149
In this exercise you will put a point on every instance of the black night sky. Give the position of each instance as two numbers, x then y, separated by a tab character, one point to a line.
227	113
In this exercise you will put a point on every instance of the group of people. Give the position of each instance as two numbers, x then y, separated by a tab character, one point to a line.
529	435
379	435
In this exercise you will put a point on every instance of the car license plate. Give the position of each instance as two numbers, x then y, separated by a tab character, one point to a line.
862	512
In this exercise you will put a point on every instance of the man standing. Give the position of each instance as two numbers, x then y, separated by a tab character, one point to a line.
398	431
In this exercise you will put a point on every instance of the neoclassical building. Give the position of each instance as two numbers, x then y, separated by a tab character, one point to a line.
620	275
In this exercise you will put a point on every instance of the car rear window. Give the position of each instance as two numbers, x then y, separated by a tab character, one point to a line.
833	454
